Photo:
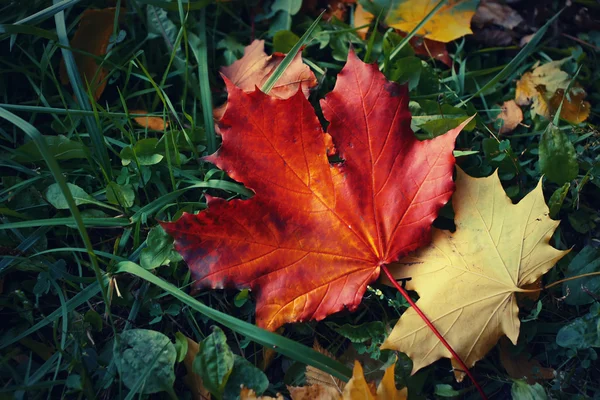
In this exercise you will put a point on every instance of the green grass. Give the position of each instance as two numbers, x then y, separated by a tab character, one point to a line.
80	265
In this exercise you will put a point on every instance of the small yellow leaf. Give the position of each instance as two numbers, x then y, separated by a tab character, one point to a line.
192	380
451	22
387	387
152	123
357	388
467	280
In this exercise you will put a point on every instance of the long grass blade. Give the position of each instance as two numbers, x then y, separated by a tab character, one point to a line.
515	62
283	345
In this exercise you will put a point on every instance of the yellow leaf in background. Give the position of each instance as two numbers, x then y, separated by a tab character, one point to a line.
152	123
387	387
92	36
192	380
467	279
544	88
357	387
451	22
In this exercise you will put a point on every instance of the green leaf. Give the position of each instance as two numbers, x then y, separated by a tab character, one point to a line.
361	333
94	319
121	195
159	249
284	41
241	298
520	390
245	373
444	390
145	150
557	199
145	361
214	362
558	160
59	148
583	332
56	197
588	260
181	346
406	70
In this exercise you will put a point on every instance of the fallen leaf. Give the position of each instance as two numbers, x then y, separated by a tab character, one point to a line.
467	280
315	234
315	376
544	88
152	123
255	67
519	366
575	109
92	36
357	388
192	380
249	394
421	46
497	13
451	22
510	117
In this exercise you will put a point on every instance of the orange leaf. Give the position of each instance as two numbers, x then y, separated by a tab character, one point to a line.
255	67
511	116
315	234
249	394
92	36
519	366
192	380
152	123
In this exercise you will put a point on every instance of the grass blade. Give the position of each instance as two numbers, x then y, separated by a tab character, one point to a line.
278	343
200	49
515	62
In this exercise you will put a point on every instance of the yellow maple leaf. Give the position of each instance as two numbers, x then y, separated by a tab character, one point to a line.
467	280
544	89
451	22
357	388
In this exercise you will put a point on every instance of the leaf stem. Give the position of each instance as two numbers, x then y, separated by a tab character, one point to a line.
404	293
572	278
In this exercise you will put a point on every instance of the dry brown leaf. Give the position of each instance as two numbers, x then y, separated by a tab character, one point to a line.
497	13
152	123
519	366
357	388
511	117
315	376
92	36
544	88
192	380
249	394
255	67
314	392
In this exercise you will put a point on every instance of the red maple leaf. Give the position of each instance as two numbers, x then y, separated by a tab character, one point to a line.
315	234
